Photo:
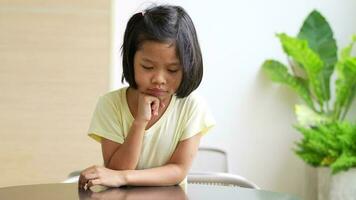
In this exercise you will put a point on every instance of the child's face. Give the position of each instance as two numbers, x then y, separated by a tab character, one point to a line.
157	69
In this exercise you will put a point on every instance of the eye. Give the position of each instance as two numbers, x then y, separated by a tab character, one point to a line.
146	67
173	70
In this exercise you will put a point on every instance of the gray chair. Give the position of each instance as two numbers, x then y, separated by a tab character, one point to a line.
72	179
211	167
224	179
209	159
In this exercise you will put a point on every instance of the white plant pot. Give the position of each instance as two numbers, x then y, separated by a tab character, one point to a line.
341	186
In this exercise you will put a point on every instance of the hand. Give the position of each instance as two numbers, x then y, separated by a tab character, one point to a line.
98	175
147	107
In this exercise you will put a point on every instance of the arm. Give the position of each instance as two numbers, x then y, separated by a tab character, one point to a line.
172	173
125	156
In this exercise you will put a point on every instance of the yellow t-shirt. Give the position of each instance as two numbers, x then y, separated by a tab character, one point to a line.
183	118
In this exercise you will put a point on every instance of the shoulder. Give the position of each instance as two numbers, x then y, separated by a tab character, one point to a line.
194	101
193	98
113	98
114	95
196	116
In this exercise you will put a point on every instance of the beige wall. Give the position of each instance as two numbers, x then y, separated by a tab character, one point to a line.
54	63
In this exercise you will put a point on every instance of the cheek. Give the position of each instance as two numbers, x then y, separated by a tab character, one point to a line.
178	81
140	75
139	79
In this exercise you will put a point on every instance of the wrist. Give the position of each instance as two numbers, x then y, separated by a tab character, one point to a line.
141	124
126	176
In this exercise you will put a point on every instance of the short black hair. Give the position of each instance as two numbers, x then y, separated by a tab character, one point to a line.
167	24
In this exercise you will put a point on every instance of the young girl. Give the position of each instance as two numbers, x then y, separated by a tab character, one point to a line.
150	131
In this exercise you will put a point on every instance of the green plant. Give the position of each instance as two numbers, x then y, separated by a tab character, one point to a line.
331	144
312	57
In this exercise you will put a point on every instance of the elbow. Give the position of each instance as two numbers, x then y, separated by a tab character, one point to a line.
180	174
179	180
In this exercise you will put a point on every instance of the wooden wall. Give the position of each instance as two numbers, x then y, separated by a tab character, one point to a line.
54	63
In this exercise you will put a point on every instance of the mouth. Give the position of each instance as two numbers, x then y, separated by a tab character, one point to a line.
156	92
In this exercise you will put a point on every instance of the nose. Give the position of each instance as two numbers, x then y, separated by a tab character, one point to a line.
159	78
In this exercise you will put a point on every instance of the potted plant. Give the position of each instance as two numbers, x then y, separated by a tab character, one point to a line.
328	139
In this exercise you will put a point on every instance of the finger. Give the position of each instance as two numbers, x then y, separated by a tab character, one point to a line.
81	182
93	182
91	176
91	170
153	109
155	106
88	170
82	178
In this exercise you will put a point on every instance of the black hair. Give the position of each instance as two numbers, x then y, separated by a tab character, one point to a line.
164	23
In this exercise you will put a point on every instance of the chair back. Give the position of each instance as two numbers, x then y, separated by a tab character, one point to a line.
210	159
210	167
224	179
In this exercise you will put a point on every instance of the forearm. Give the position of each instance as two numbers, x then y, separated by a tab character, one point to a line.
170	174
126	157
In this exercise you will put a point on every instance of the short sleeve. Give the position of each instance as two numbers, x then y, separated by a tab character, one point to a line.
198	119
105	122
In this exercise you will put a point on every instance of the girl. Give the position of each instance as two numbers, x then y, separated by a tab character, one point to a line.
150	131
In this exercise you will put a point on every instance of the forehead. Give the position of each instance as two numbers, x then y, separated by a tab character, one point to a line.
160	52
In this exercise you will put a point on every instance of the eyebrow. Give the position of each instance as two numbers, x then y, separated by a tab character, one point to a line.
169	64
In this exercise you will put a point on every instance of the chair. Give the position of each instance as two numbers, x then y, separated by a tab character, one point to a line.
211	167
224	179
210	159
72	179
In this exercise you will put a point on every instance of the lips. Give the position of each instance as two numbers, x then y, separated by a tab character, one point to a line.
156	92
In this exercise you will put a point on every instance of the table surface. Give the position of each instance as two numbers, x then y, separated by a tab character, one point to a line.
69	191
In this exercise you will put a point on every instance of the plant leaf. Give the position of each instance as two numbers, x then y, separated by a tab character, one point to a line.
346	52
343	163
317	32
298	49
332	144
345	86
278	72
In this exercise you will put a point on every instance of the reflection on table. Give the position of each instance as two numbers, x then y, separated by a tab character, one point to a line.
62	191
135	193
